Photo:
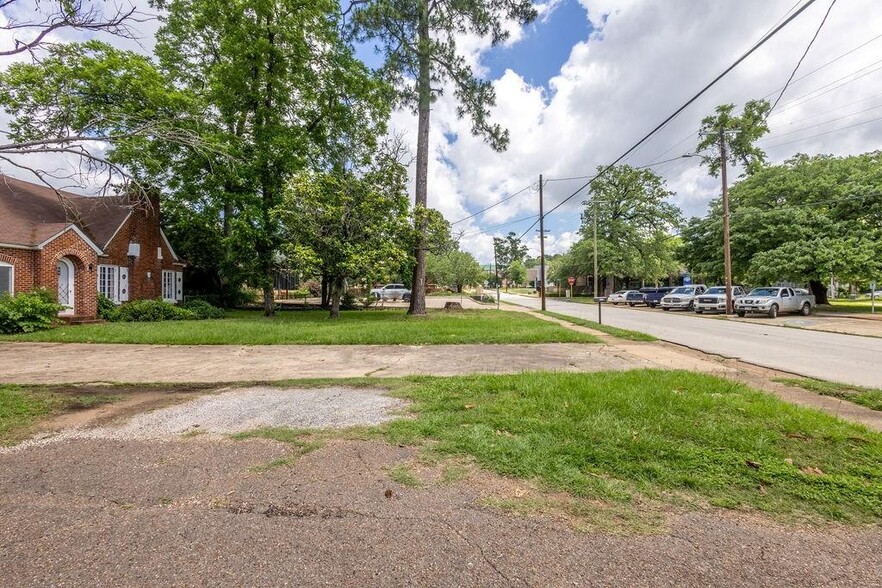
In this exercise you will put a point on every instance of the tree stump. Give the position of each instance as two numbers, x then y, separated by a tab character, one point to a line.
452	306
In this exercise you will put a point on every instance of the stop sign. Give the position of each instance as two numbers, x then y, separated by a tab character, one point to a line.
571	280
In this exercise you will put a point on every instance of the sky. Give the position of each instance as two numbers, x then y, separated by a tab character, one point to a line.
589	78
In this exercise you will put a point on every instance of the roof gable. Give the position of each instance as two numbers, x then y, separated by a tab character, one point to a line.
33	213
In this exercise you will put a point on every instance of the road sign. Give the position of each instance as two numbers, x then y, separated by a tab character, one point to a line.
571	280
687	279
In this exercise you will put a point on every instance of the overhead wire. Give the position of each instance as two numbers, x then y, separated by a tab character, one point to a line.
504	200
802	58
685	105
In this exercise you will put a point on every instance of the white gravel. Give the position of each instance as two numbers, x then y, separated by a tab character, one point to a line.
245	409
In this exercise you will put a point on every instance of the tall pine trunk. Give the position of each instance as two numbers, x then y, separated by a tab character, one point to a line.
418	286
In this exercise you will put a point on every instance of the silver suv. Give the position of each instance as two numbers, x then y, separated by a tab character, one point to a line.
391	292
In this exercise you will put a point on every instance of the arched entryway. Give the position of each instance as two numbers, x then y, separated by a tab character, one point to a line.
66	279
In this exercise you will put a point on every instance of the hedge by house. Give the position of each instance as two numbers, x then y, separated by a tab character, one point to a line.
28	311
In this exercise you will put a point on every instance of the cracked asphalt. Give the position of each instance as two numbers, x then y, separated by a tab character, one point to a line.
193	512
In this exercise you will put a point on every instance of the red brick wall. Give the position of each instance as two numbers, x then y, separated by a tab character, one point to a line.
141	227
23	262
85	262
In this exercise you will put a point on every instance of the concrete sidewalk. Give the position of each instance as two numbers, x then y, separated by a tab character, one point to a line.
59	363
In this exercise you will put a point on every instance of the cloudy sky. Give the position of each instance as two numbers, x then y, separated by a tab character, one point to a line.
590	77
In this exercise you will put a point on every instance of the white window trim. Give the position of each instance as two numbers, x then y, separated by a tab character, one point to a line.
115	285
172	284
11	276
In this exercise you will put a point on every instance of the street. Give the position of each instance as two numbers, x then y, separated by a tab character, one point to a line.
828	356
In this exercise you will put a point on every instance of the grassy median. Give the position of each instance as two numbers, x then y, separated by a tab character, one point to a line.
357	327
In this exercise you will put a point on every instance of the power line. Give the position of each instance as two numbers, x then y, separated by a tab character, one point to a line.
798	101
504	200
798	63
831	62
820	124
688	103
505	224
825	133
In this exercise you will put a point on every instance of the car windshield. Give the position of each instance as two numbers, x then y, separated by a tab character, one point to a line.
683	290
716	290
764	292
621	292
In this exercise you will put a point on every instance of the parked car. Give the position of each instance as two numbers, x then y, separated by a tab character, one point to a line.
617	297
714	300
774	299
682	297
652	296
634	297
391	292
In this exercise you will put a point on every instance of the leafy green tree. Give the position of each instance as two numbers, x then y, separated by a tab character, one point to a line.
418	39
517	273
807	220
508	250
346	226
634	223
454	268
741	133
282	92
77	96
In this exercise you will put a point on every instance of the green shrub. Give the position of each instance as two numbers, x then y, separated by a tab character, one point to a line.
28	311
107	309
203	310
151	311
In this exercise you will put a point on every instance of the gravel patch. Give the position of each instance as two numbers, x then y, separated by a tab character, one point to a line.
245	409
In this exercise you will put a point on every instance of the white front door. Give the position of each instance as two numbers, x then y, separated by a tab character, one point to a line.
65	271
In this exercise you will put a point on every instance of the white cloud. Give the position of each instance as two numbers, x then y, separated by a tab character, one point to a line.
644	60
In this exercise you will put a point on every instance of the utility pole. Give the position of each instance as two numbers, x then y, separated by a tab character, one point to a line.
727	252
541	246
595	249
496	268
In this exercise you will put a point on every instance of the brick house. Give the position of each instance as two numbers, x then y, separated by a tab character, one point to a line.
78	246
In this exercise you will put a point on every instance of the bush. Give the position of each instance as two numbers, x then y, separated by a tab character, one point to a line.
107	309
28	311
203	310
314	287
150	311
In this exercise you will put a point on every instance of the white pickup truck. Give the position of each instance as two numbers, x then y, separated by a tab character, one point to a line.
772	300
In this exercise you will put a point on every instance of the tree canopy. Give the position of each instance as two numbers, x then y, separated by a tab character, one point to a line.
806	220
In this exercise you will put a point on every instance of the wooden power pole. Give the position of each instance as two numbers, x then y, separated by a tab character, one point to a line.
541	246
727	252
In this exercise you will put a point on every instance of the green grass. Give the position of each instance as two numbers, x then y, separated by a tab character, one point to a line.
863	306
678	437
614	331
22	407
403	475
300	441
869	397
369	327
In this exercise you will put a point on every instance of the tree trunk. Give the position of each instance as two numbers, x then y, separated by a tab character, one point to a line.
820	292
336	294
418	286
326	294
269	301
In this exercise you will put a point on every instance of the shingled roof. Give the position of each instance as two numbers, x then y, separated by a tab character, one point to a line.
30	213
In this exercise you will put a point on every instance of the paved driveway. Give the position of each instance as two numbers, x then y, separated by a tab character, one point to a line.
829	356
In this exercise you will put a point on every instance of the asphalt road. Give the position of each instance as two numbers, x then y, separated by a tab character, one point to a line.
828	356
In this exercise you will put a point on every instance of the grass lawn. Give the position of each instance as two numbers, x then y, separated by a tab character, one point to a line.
869	397
852	306
362	327
677	437
22	407
614	331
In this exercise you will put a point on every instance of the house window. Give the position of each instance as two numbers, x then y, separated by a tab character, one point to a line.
108	283
7	278
168	285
